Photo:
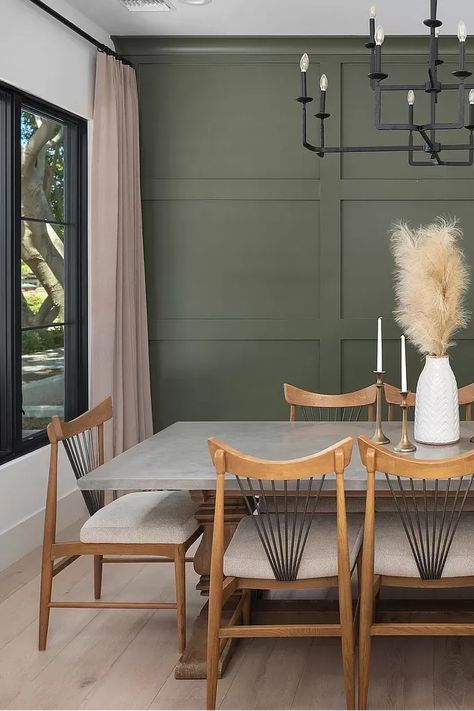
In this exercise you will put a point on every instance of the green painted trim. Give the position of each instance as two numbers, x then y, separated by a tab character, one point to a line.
230	189
143	46
328	331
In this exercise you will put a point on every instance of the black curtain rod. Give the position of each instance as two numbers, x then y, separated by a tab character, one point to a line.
101	47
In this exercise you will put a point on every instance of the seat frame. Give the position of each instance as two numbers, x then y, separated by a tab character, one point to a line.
67	552
226	459
376	458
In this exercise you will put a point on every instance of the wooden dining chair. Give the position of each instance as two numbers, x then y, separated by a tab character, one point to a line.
466	399
157	525
393	399
426	543
347	407
290	549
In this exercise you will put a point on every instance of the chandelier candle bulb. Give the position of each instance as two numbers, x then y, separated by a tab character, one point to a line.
379	38
403	365
411	101
462	73
462	34
372	26
304	64
323	86
471	110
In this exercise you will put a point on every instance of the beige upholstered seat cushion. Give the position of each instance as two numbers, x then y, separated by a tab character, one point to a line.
393	554
143	517
245	556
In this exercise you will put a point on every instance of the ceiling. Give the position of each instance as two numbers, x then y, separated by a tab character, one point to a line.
276	17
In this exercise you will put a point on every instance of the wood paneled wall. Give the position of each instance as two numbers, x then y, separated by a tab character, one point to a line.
264	263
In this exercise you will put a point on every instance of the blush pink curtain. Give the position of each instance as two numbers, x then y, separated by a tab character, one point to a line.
119	331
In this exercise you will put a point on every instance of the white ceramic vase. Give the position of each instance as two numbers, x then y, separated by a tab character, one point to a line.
437	405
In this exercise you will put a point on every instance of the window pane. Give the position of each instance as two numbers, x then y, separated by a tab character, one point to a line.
42	167
42	377
42	273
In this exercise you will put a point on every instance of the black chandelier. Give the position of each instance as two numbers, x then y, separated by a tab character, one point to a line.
427	132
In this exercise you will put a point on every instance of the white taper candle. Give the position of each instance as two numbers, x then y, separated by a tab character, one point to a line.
404	365
379	345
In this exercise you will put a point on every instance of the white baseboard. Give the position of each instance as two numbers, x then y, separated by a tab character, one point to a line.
25	536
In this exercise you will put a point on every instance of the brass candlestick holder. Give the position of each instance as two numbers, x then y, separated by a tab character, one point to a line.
379	436
404	445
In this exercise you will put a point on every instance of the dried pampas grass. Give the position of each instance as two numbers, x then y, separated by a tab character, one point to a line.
431	281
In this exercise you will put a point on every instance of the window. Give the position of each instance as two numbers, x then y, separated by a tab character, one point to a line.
43	268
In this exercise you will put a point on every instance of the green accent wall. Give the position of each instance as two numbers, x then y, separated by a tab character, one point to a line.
264	263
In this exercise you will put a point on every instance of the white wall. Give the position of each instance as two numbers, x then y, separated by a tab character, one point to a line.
44	58
41	56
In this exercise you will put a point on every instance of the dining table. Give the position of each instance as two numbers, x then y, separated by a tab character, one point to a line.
177	458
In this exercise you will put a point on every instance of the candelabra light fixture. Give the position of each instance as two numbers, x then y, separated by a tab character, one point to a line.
427	138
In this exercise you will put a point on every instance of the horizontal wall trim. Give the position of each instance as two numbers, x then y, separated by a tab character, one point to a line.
213	58
302	189
388	189
145	46
230	189
348	329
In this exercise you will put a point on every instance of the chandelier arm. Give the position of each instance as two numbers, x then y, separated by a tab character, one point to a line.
403	87
380	126
306	143
387	126
455	125
370	149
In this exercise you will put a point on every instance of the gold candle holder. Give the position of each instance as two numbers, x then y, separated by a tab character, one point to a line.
404	445
379	436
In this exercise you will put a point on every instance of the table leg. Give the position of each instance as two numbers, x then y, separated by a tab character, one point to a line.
192	664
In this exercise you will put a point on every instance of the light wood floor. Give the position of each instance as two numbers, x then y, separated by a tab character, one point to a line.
125	659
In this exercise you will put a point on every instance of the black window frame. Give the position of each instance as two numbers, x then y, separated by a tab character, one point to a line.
76	390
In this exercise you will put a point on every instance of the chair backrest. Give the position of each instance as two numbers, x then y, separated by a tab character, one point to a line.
83	440
466	398
347	407
282	498
393	399
427	500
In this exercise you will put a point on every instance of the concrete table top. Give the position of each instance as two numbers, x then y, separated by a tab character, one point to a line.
178	457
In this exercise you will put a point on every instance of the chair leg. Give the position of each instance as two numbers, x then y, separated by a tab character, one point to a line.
214	621
247	607
180	577
365	639
98	565
45	599
347	639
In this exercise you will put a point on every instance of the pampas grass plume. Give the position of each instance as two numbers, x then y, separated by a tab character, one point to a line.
431	282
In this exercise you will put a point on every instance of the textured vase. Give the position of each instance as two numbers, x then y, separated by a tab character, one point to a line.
437	405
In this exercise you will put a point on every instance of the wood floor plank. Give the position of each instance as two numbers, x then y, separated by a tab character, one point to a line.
28	567
401	673
269	674
19	610
20	659
137	675
453	673
191	693
321	684
69	678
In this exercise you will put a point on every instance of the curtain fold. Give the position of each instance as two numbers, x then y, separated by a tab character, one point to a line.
119	330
